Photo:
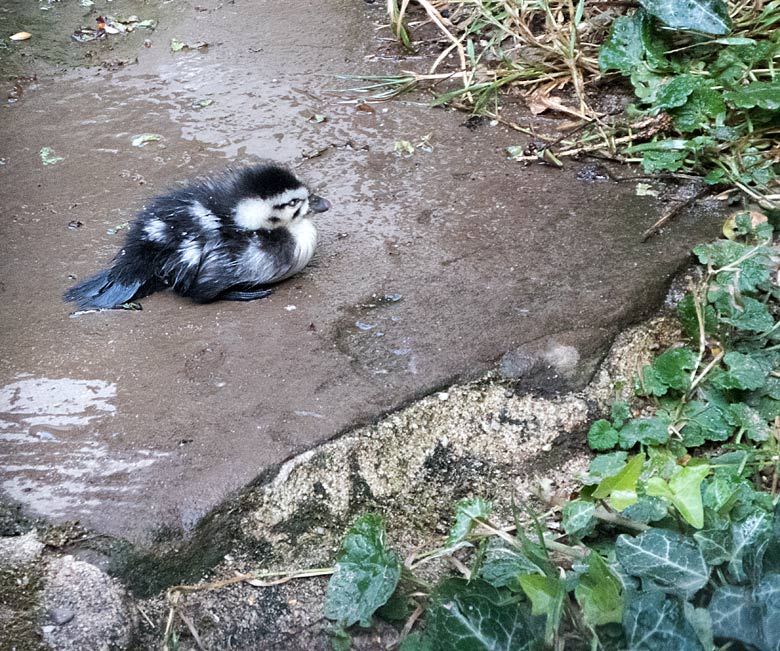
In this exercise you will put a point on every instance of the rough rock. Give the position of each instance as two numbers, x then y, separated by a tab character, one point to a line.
84	609
16	551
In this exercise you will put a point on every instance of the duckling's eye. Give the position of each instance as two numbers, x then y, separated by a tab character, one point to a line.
294	202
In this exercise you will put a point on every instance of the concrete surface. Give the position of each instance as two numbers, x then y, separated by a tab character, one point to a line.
429	268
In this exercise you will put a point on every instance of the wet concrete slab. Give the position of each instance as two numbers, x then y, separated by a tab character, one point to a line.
429	269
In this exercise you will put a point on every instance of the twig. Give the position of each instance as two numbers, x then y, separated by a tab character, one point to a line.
676	210
193	631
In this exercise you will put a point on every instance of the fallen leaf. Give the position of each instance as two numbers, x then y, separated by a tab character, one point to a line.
48	157
144	138
645	190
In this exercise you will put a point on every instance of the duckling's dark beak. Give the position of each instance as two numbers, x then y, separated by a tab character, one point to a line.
318	204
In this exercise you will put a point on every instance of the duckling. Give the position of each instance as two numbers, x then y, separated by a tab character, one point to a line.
224	238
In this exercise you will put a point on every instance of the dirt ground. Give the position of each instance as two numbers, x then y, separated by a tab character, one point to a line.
429	269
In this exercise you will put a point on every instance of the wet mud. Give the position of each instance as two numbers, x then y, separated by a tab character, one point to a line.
429	268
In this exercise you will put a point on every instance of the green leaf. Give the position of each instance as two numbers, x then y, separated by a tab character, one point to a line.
340	640
647	431
683	491
686	312
660	160
504	564
473	616
767	595
674	367
631	42
708	16
417	642
366	575
751	421
735	616
620	412
466	511
747	314
654	622
599	593
703	422
762	94
676	91
703	106
605	465
715	545
744	372
621	488
671	560
602	436
745	537
701	622
577	518
546	594
646	510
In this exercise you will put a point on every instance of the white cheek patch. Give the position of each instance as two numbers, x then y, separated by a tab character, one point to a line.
252	214
288	195
190	252
156	230
207	219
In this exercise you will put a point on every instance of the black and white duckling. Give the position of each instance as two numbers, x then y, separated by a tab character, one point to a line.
225	238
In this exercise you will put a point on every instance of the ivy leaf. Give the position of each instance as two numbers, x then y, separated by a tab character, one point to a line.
654	621
646	510
647	431
767	595
735	616
466	511
671	560
683	491
473	616
602	436
630	42
621	488
599	593
701	622
746	537
546	594
504	564
577	518
715	545
762	94
605	465
708	16
367	573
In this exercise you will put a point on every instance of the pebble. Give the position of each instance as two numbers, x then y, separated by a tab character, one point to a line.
61	616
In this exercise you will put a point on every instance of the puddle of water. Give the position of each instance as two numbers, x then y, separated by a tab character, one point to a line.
376	340
52	461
